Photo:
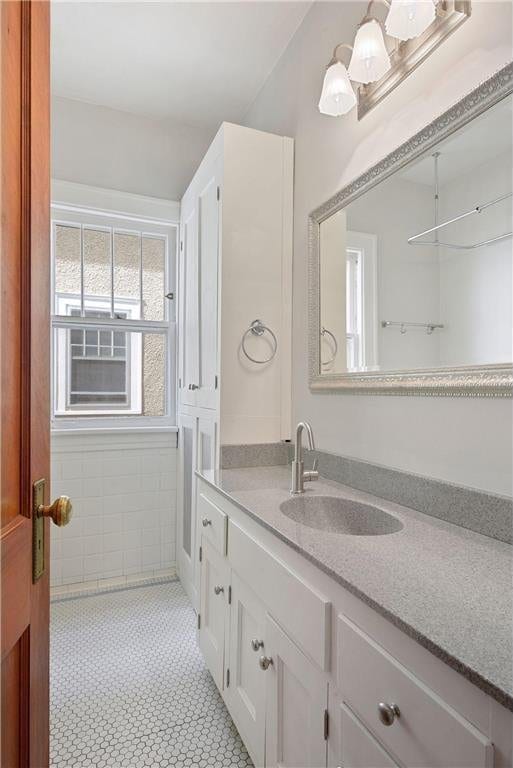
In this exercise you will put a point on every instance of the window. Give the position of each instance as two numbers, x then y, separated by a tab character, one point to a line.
361	309
113	319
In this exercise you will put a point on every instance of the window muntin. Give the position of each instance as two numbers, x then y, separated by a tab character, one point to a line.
113	327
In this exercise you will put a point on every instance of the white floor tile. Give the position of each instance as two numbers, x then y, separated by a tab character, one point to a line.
129	687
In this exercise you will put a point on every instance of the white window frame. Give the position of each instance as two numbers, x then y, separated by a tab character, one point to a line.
362	249
66	301
89	218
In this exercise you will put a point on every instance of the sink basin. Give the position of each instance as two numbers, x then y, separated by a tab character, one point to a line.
338	515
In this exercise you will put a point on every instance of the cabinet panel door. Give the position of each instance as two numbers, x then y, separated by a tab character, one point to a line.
207	442
296	700
350	744
186	502
208	249
215	581
189	347
245	696
207	460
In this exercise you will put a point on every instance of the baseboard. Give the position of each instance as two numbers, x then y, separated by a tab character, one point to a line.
83	588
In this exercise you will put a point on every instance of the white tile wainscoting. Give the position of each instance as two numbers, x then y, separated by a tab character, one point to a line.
123	489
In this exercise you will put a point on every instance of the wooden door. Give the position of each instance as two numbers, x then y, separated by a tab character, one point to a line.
215	582
25	365
245	696
296	701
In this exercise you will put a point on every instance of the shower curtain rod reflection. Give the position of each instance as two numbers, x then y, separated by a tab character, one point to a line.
414	240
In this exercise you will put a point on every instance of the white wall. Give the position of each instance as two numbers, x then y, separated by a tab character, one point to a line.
123	489
475	286
463	440
408	278
104	147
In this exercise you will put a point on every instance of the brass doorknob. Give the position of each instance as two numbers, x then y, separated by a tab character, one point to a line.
60	511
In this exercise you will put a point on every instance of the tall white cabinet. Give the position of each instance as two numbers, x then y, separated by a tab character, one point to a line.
235	267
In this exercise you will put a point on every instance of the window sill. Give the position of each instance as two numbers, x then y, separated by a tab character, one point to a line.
56	430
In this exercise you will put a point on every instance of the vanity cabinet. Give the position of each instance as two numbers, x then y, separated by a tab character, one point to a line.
247	642
310	673
350	744
214	601
425	730
235	267
296	702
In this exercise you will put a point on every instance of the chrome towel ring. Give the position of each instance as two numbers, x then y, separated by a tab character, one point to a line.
257	328
325	332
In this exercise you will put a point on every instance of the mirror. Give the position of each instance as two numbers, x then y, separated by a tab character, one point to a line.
414	275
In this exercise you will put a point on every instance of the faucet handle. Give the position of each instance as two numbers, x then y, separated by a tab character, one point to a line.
311	474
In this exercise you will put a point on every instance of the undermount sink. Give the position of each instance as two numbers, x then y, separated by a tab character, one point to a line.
338	515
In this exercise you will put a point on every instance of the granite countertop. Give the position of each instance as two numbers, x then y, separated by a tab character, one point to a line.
445	586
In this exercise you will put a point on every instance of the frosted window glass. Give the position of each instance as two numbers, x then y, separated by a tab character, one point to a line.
97	264
67	259
127	270
153	275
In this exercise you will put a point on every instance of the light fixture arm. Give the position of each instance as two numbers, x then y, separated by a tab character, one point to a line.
336	57
368	16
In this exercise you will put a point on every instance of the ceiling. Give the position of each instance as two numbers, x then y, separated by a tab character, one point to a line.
194	62
477	143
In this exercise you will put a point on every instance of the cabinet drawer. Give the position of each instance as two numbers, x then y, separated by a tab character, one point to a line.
297	607
213	523
428	732
359	748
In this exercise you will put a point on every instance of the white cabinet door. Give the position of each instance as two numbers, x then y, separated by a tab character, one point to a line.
350	744
207	441
189	308
215	582
208	451
296	702
208	251
186	502
245	696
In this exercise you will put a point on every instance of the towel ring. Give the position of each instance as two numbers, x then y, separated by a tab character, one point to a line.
325	332
257	328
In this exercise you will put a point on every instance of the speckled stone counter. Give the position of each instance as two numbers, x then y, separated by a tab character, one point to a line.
445	586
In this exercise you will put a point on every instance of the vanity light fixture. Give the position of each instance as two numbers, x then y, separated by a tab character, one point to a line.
370	59
338	96
407	19
384	54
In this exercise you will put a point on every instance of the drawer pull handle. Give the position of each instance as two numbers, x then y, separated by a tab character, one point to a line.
388	713
265	662
256	644
218	590
206	522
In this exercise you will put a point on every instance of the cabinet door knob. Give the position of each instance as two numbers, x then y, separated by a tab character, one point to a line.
388	713
265	662
193	386
256	644
218	590
205	522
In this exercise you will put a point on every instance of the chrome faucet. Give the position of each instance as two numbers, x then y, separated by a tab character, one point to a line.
299	476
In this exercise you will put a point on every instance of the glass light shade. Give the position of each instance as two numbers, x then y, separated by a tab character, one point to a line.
337	96
409	18
370	59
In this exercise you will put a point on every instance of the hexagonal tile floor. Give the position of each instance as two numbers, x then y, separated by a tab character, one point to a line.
129	687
